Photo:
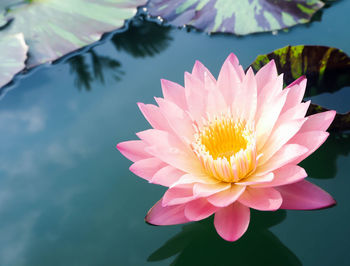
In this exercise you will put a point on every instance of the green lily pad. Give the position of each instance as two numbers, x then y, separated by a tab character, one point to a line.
12	58
53	28
327	69
240	17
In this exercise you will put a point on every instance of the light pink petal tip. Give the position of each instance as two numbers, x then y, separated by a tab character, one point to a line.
146	168
175	93
159	215
199	209
304	195
200	71
263	199
232	221
134	150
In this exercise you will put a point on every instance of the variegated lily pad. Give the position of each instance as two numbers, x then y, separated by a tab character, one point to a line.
327	70
53	28
240	17
12	58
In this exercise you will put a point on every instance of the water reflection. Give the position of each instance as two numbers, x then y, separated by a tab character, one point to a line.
336	145
90	66
142	38
199	244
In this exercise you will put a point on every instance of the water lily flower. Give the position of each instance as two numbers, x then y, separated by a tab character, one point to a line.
227	145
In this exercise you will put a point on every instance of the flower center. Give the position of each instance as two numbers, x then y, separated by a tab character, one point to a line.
226	148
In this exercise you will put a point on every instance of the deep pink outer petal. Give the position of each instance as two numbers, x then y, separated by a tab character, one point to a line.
232	221
263	199
134	150
159	215
199	209
304	195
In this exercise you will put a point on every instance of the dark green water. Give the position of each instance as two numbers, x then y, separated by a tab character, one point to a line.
68	198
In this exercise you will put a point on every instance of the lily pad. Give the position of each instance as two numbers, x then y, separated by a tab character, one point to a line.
240	17
53	28
327	69
12	58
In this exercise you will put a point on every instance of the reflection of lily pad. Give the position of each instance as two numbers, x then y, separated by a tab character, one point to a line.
14	53
53	28
239	17
327	70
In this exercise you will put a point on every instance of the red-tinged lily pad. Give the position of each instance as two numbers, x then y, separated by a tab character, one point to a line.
13	57
53	28
239	17
327	70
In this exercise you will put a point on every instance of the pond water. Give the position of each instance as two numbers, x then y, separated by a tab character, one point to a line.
68	198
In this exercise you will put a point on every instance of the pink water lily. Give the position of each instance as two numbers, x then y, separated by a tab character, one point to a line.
227	145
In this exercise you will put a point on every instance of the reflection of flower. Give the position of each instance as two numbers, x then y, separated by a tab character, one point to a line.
224	146
198	244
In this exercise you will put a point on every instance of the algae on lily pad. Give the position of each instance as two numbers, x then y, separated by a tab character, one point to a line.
12	58
239	17
327	69
53	28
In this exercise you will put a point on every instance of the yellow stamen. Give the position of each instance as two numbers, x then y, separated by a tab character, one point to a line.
226	148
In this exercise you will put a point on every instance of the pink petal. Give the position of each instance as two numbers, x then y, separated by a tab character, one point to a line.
287	154
296	112
256	179
226	197
146	168
160	215
318	122
190	178
175	93
232	221
287	174
199	209
264	199
280	136
268	94
205	190
196	97
216	104
167	176
266	74
312	140
200	71
304	195
134	150
171	150
269	114
178	120
230	77
296	93
245	101
154	116
178	195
